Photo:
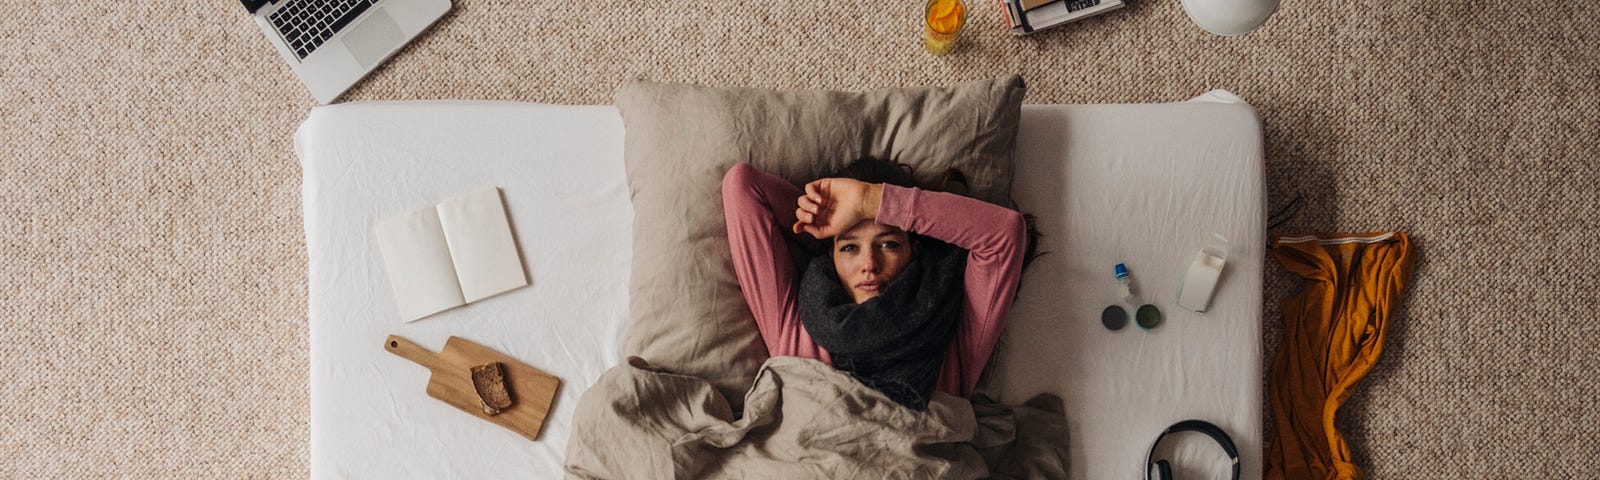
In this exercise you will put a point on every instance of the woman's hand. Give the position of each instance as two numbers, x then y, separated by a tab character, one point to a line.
833	205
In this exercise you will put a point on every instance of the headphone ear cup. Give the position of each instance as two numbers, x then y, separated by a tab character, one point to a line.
1163	470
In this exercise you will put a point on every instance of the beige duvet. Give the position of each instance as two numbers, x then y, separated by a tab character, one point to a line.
802	419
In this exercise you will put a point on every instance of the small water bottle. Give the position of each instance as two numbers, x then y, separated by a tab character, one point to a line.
1125	284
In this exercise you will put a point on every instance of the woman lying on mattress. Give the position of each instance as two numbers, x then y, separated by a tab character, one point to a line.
913	292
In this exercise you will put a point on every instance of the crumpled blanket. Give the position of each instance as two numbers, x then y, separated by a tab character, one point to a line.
802	419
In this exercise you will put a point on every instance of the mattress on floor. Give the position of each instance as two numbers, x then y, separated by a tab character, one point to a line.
1143	185
1138	184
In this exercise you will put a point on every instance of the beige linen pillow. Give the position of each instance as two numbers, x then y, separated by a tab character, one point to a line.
686	309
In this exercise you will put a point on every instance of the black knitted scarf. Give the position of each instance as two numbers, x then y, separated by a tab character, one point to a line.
895	342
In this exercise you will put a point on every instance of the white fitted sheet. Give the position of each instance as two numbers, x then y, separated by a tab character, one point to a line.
1143	185
1197	168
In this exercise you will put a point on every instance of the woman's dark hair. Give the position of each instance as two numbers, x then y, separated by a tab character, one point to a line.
876	170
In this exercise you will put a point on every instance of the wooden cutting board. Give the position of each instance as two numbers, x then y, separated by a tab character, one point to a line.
451	382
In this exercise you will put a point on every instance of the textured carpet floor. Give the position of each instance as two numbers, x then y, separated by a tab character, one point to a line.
152	279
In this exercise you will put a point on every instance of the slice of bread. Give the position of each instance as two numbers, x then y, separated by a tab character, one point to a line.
489	380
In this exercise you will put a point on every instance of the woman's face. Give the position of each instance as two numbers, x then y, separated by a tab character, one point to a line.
868	256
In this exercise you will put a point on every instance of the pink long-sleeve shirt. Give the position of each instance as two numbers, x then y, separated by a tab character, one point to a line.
760	207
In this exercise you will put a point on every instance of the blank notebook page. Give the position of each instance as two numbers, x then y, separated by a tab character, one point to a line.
418	260
480	243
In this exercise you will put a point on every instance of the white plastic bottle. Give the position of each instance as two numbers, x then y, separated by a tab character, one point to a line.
1200	281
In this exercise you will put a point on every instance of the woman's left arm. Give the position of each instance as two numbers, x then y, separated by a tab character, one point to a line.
995	240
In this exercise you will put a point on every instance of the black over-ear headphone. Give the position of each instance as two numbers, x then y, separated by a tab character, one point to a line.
1161	470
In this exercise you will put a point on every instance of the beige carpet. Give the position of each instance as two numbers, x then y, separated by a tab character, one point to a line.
152	279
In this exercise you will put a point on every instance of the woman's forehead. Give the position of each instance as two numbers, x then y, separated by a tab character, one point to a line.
870	229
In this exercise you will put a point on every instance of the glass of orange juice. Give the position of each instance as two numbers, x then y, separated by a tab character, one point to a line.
943	20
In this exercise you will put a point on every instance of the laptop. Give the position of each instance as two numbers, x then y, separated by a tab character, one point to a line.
332	44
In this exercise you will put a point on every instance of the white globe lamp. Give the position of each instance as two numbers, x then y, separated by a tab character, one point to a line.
1229	17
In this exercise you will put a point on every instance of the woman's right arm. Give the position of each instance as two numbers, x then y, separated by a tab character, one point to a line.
758	207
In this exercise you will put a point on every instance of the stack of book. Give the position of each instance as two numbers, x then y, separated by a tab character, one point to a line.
1027	16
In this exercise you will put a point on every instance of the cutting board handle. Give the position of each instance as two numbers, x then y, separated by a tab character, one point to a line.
413	352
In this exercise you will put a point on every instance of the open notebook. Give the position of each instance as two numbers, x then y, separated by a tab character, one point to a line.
451	254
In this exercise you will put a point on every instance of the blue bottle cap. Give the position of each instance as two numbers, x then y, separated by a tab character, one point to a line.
1122	271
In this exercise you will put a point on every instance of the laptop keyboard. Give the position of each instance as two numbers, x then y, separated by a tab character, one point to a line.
306	24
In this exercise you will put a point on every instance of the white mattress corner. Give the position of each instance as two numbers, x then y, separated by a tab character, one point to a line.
1219	95
1140	184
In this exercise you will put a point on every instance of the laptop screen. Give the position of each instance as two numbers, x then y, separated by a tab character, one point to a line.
253	5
